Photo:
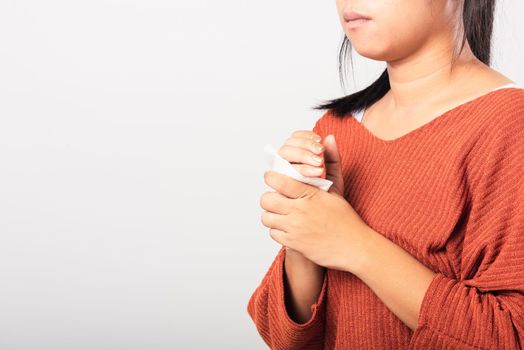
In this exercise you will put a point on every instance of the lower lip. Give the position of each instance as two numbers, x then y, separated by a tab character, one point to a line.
357	22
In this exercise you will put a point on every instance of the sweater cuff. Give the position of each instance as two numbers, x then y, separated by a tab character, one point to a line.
317	309
433	305
436	311
450	317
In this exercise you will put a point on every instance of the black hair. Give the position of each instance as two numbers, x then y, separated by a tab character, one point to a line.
477	21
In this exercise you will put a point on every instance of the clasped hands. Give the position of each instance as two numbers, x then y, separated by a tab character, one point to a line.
321	225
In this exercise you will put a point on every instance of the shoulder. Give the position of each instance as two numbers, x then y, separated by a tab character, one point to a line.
328	122
502	114
499	148
510	101
513	98
320	124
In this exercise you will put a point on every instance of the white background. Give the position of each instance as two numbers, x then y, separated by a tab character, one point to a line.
131	161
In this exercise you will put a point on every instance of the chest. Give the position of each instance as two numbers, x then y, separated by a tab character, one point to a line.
388	127
414	198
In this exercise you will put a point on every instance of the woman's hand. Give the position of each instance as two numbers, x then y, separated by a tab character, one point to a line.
301	148
322	226
303	218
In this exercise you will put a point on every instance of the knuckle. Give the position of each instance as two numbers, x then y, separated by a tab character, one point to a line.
273	235
306	154
282	151
264	219
264	198
285	152
266	177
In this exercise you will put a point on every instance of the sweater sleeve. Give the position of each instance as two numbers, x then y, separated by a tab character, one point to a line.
267	309
484	308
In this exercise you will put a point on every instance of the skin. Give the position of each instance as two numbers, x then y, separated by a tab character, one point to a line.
303	277
321	229
418	58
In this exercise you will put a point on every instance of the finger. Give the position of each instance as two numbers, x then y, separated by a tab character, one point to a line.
287	185
308	170
300	155
305	143
287	152
275	202
307	134
272	220
279	236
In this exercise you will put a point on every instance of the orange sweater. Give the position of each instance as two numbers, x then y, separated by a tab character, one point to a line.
451	193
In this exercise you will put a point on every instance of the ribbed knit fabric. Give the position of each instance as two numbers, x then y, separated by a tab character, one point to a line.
451	193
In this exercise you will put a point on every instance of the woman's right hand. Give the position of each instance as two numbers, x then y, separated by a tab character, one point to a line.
304	150
301	149
303	278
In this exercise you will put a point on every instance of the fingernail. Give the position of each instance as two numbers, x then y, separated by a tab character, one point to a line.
317	159
317	171
319	147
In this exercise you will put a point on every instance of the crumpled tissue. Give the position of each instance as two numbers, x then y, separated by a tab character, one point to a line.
280	165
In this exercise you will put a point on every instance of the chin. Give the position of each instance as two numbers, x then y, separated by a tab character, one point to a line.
371	52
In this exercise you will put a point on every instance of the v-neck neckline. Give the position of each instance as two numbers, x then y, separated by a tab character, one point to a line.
435	121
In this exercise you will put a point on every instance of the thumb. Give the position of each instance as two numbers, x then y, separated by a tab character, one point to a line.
333	164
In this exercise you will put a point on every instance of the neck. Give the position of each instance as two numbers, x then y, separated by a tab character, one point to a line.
423	77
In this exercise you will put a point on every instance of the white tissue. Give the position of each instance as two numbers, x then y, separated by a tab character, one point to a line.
280	165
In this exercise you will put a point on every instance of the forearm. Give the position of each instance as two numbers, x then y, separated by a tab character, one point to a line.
395	276
303	283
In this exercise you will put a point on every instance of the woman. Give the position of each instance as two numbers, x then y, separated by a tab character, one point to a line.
419	242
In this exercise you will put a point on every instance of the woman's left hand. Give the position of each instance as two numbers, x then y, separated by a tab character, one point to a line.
322	226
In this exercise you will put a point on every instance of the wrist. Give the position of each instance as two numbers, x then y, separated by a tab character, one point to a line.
366	252
298	259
